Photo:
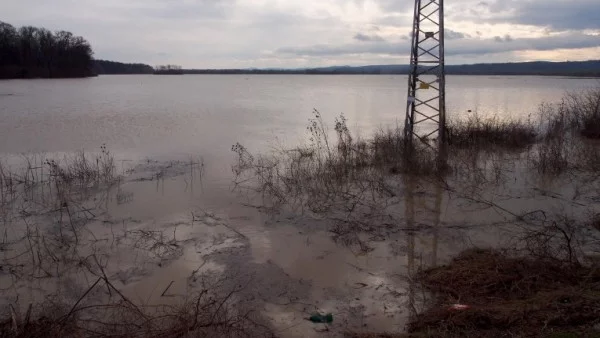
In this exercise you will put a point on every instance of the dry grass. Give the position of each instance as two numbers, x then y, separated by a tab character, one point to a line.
326	168
478	132
350	181
389	150
79	171
585	111
205	313
76	172
84	169
595	222
577	114
314	176
552	157
567	131
47	204
57	188
354	181
517	297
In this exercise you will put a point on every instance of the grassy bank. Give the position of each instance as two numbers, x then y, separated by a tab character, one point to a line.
510	296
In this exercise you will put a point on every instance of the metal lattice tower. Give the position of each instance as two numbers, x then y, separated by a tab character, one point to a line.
426	102
425	120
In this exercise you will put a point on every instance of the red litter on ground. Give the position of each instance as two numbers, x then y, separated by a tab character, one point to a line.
459	307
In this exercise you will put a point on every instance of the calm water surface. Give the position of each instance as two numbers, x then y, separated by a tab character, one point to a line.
171	116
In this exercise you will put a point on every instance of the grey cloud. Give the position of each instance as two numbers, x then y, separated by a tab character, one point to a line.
367	38
396	6
489	46
506	38
574	14
348	49
395	20
451	34
199	9
454	47
557	14
227	33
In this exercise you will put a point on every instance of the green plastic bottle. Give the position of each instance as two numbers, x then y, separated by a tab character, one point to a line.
319	318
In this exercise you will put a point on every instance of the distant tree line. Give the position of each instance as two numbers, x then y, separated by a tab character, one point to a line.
110	67
31	52
589	68
168	69
577	68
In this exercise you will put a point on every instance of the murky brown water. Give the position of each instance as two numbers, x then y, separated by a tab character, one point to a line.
154	115
158	232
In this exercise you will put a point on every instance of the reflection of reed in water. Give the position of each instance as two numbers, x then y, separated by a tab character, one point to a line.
409	184
410	214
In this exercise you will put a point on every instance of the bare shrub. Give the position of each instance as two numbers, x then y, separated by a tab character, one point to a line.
586	155
391	151
325	173
44	204
350	181
561	125
84	169
46	241
210	311
480	132
559	239
551	156
576	114
584	108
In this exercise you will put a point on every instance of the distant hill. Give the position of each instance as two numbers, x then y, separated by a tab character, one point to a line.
376	69
575	68
578	68
104	67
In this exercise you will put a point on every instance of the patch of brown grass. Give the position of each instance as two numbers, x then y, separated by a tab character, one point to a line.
41	327
596	222
375	335
508	296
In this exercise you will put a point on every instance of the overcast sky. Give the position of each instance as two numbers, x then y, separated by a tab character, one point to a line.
300	33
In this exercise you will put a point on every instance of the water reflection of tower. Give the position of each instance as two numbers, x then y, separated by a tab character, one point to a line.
425	121
423	202
423	218
410	241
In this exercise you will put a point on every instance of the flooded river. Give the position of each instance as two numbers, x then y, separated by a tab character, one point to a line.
206	114
175	214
